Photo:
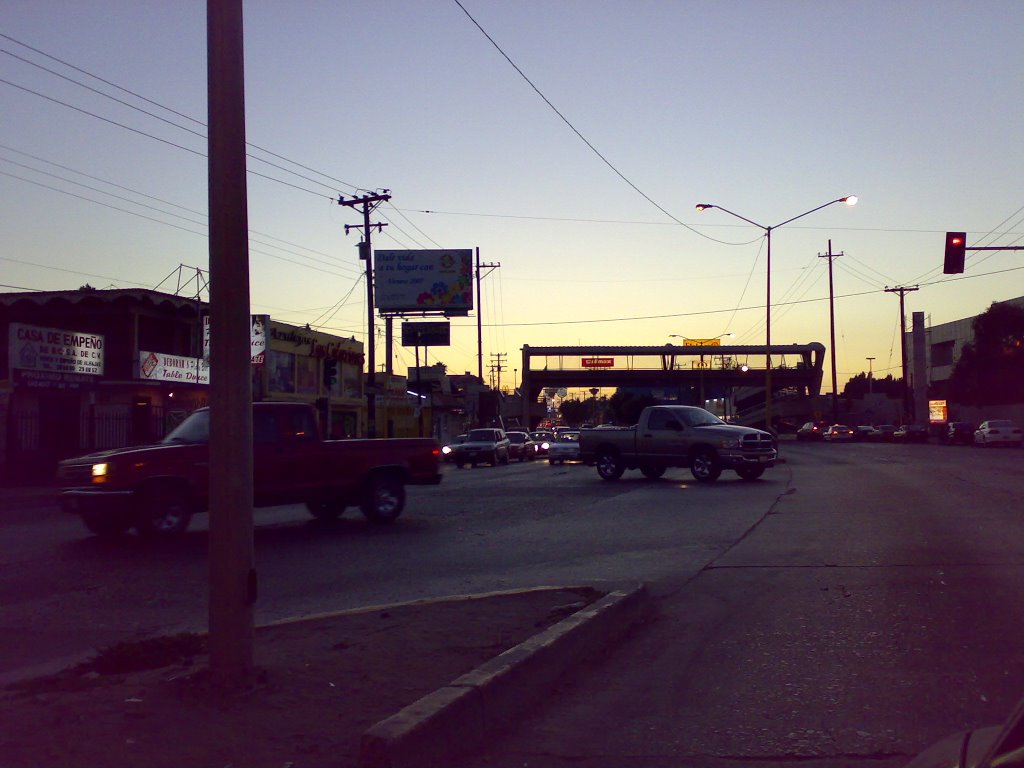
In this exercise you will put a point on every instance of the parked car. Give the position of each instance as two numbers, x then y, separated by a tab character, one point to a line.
959	433
565	447
839	433
156	489
448	451
882	433
862	432
998	432
488	445
522	447
911	433
812	431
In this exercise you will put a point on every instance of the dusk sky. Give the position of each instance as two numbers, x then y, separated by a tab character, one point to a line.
768	109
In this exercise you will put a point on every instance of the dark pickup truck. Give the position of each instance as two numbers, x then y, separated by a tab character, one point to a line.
157	488
679	436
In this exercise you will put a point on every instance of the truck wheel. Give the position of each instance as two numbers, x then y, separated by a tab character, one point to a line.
106	523
609	465
384	498
652	473
163	511
705	466
325	510
750	473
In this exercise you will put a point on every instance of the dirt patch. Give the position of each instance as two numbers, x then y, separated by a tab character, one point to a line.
320	683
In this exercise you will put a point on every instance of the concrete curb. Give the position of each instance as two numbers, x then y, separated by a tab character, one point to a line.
458	718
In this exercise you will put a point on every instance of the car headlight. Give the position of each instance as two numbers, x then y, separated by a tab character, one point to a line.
101	472
730	443
545	446
446	450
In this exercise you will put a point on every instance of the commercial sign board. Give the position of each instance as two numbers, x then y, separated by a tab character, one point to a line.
938	412
55	351
598	362
156	366
702	342
439	281
435	334
257	338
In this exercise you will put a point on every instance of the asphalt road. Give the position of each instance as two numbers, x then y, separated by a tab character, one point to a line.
855	604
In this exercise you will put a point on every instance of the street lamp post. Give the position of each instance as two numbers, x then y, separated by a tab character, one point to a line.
849	200
870	361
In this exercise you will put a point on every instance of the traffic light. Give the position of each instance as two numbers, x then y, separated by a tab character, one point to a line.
330	374
956	247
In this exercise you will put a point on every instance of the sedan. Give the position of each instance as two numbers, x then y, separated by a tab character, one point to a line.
482	446
522	446
448	451
565	447
839	433
812	430
998	432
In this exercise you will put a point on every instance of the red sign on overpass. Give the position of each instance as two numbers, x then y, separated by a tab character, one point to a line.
598	362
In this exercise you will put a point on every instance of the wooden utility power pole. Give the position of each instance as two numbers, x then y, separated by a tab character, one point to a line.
903	345
480	314
367	203
832	329
231	571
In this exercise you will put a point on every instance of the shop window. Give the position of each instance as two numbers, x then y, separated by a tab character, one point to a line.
282	371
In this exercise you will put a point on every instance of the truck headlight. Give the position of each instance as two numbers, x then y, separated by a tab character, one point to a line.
100	472
731	443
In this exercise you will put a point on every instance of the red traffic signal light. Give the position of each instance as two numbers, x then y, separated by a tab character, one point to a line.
956	247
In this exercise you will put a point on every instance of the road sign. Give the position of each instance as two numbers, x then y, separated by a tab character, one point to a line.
702	342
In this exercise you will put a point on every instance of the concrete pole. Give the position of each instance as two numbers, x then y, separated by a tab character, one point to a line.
231	572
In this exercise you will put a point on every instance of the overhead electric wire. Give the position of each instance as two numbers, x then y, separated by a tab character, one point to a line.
583	138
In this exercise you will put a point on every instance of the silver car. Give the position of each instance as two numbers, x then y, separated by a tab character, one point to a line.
487	445
565	447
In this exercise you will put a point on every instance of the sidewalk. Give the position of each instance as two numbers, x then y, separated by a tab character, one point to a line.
403	685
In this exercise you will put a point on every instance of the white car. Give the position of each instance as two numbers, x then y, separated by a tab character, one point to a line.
998	432
565	447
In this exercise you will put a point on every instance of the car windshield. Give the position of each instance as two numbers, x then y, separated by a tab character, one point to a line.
194	429
698	417
997	423
517	437
481	436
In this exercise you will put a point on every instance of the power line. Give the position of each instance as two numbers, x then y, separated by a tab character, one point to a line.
583	138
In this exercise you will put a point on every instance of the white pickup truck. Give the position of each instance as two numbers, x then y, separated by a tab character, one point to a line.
679	436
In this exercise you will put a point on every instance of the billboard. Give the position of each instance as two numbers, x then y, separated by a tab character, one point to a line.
598	362
437	334
438	281
55	350
257	338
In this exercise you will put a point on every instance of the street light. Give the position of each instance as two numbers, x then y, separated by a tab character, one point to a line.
870	361
849	200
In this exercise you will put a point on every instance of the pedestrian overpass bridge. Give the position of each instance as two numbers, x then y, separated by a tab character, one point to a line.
796	371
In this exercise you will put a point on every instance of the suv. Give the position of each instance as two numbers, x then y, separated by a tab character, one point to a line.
488	445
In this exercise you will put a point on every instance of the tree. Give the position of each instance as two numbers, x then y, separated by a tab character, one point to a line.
857	386
626	406
575	412
990	370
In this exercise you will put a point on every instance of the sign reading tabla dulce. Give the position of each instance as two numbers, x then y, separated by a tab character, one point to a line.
156	366
54	350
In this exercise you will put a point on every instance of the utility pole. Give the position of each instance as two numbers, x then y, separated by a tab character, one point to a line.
902	291
368	203
496	366
832	329
231	566
871	362
480	313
